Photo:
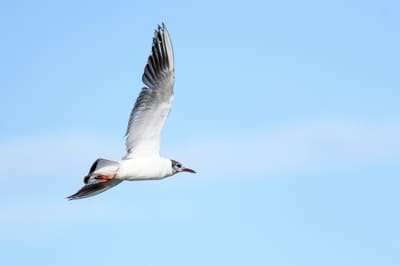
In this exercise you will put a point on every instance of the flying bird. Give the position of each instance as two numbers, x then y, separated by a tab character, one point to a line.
142	160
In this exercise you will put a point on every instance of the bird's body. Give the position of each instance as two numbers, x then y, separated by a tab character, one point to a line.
147	119
144	168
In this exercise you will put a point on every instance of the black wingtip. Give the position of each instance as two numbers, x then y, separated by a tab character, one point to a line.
90	190
70	198
73	196
160	27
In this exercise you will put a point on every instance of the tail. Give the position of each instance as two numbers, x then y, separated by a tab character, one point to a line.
100	178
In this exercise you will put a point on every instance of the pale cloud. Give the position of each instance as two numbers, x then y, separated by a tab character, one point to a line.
46	169
299	147
307	146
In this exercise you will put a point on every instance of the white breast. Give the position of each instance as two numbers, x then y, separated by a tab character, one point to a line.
144	168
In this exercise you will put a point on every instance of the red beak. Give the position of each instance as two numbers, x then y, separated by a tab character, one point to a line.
188	170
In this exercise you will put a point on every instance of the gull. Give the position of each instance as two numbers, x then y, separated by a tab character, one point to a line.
142	160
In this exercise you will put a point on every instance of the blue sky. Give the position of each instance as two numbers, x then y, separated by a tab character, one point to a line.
289	111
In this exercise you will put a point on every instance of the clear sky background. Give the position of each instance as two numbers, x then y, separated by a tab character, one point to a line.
288	110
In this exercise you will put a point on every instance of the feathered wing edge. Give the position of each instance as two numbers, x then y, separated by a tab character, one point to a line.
158	76
93	189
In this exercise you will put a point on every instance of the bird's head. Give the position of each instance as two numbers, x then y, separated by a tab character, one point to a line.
177	167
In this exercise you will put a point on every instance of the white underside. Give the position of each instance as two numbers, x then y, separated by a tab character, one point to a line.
144	168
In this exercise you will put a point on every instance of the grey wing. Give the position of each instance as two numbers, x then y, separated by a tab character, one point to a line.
151	108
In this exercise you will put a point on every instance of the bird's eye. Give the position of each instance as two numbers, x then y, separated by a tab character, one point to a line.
178	165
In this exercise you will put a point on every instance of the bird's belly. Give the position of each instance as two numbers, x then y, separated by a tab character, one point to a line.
143	175
142	170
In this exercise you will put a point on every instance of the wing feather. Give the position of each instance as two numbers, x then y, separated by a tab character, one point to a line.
154	102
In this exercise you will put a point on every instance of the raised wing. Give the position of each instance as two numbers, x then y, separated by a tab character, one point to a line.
151	109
